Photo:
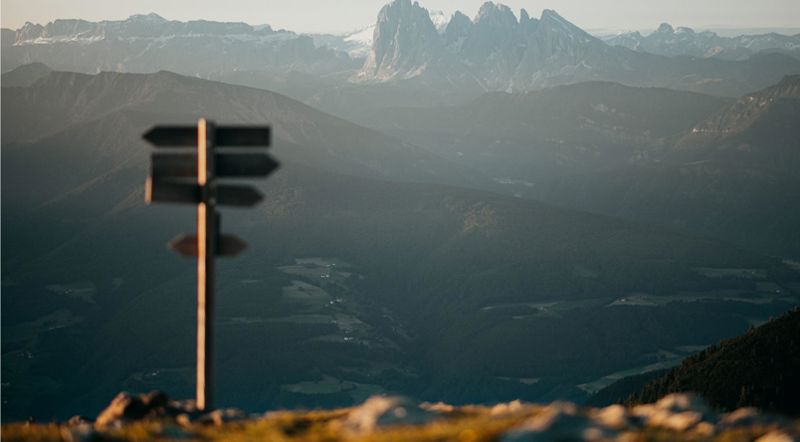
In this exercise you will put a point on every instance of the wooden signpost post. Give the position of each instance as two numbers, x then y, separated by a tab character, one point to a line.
190	176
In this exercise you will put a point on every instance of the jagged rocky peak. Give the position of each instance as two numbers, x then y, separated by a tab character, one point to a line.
147	18
403	16
404	42
29	31
526	22
495	28
495	15
458	27
523	16
439	20
553	24
552	17
665	28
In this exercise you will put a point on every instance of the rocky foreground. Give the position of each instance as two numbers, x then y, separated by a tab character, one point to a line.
675	417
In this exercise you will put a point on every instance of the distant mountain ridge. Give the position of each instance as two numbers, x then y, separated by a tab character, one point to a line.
409	45
140	26
743	114
684	41
148	43
497	51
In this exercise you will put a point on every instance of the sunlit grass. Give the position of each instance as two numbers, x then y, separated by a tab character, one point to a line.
464	424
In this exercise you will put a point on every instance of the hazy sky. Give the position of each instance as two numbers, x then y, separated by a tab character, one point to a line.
346	15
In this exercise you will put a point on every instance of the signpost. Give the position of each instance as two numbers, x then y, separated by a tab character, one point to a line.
189	176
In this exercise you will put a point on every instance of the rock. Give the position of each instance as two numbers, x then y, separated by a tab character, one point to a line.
559	422
506	408
776	436
123	407
82	432
78	420
747	417
678	412
439	407
615	417
381	411
682	402
183	419
219	417
126	407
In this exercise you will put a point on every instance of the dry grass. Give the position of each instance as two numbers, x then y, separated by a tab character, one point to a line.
464	424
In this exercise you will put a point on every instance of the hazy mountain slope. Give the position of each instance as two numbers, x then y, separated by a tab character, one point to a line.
353	285
63	99
725	175
738	165
754	370
562	130
696	161
743	121
357	101
25	75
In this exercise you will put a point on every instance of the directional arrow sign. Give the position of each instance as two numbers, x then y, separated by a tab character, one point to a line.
191	176
162	191
225	164
229	245
174	191
238	196
186	136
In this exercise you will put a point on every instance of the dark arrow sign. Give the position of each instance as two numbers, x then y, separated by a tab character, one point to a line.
174	191
238	196
186	136
184	165
169	191
228	245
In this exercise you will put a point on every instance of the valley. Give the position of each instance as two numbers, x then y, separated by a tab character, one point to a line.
469	210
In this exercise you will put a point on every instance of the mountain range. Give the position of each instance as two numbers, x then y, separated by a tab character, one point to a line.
684	41
494	51
499	52
148	43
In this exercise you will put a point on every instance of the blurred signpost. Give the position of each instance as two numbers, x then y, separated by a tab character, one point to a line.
188	173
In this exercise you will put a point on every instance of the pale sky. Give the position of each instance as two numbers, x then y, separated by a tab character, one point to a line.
347	15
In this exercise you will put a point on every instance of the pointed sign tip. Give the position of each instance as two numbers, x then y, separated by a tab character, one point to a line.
186	245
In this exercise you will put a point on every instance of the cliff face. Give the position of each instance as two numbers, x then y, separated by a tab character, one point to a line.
405	42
